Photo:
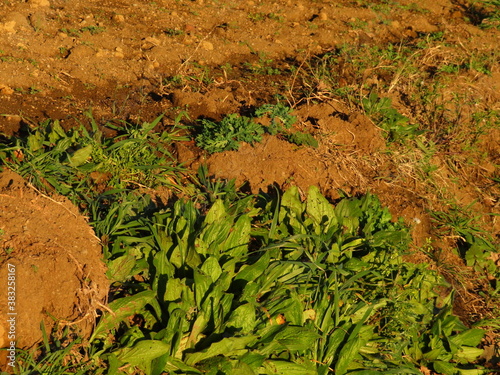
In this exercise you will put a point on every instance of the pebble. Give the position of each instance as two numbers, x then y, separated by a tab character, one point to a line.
323	16
119	53
119	18
6	90
207	45
395	24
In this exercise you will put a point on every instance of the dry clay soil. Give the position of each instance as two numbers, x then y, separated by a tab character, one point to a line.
59	58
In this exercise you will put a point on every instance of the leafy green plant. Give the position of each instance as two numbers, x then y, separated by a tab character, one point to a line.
300	138
228	133
58	354
233	129
71	162
492	20
264	66
273	285
473	243
397	126
280	116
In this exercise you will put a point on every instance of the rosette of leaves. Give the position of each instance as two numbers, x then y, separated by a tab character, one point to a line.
228	133
280	116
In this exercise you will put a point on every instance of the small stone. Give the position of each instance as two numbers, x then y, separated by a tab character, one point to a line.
119	53
150	42
207	45
6	90
153	40
119	18
395	24
323	16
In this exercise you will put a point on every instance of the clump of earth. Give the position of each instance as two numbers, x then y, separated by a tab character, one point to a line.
51	260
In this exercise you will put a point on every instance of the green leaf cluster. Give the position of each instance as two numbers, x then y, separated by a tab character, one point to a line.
227	134
396	125
233	129
276	285
71	162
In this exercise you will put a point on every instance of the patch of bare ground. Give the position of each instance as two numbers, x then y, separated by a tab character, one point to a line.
53	260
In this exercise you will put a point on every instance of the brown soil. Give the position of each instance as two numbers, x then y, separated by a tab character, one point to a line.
52	260
134	60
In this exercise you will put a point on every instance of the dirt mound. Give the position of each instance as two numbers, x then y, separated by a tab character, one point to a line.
275	160
50	260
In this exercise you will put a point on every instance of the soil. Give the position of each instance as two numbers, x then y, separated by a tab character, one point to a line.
52	260
131	61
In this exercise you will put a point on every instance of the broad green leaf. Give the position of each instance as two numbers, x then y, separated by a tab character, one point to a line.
320	210
474	372
291	208
360	313
468	355
228	347
216	213
57	132
360	335
253	271
142	353
294	313
176	364
173	290
212	268
281	367
80	156
471	337
348	212
202	284
236	244
243	317
119	268
122	308
333	342
253	359
296	338
198	327
241	368
35	141
445	368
